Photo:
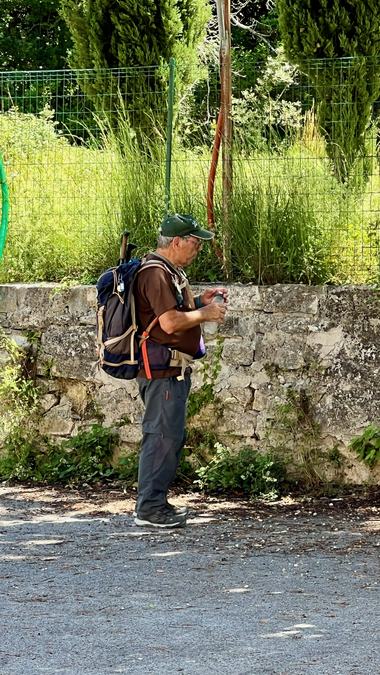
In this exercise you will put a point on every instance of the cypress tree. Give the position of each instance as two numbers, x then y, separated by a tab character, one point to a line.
128	33
345	89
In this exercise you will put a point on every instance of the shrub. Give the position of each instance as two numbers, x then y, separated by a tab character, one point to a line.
24	456
367	445
22	134
126	469
248	472
18	393
85	458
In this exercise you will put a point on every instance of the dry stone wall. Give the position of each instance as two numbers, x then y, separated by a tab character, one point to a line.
299	370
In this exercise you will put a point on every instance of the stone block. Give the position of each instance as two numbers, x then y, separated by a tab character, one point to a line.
78	395
82	304
366	302
298	324
33	301
338	307
261	400
259	378
240	296
68	353
238	423
111	385
327	343
130	434
48	401
230	377
8	299
236	397
118	407
238	352
294	298
57	421
281	350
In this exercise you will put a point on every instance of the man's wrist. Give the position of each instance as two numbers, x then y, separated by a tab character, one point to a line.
198	302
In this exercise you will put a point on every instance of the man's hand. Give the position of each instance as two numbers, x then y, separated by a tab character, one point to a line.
213	312
173	320
208	296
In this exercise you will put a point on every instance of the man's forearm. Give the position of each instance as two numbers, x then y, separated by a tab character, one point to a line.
173	321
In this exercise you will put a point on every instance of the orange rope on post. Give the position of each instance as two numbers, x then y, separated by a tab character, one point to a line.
211	177
211	182
223	136
226	101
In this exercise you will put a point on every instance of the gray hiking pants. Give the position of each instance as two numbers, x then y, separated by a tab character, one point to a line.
163	438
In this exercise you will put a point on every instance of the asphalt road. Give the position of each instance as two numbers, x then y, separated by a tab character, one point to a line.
246	589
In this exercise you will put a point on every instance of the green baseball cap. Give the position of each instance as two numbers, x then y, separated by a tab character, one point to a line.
179	225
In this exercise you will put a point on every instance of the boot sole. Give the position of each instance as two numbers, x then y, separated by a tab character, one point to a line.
147	523
180	515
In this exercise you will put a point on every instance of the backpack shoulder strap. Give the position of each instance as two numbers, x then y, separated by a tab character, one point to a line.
179	280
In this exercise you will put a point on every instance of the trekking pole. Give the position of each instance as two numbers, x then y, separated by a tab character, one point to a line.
128	254
123	247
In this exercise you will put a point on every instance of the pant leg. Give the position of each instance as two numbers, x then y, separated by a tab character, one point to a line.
163	437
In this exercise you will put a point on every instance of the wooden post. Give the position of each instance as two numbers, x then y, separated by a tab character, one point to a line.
226	104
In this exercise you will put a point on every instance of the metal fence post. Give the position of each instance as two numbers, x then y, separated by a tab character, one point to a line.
169	132
4	207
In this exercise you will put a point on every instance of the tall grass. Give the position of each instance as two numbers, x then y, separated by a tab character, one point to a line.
291	221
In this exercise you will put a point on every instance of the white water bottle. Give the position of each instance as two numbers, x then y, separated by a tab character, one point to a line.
212	326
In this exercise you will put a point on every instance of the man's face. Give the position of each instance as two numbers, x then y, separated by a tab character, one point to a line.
187	250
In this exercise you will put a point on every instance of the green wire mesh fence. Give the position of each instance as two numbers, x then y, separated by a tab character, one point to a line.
85	154
76	146
306	194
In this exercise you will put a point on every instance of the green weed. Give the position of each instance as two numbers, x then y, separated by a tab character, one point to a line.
336	457
23	456
126	469
18	394
247	472
294	435
197	452
85	458
367	445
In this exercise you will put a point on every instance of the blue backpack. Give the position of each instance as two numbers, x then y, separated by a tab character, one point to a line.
117	343
120	349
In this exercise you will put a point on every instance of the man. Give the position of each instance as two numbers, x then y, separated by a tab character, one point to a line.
163	298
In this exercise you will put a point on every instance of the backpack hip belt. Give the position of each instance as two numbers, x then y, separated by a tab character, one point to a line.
177	359
180	359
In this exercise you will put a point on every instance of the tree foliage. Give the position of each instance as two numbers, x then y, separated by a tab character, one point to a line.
346	89
255	36
33	35
129	33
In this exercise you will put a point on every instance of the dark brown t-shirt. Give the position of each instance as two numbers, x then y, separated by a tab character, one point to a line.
155	294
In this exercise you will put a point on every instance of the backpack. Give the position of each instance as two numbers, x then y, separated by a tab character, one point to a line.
120	349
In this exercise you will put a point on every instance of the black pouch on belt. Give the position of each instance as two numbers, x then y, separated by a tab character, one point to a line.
158	355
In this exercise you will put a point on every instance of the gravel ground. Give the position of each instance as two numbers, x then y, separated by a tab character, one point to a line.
247	588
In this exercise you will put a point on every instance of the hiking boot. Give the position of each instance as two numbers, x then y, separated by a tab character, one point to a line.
178	510
162	518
